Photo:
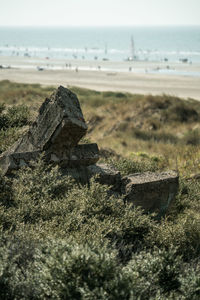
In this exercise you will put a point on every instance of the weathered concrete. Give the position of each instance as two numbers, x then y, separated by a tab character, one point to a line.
59	126
154	192
56	132
16	160
106	175
81	155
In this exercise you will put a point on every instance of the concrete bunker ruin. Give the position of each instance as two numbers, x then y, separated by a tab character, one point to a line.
56	133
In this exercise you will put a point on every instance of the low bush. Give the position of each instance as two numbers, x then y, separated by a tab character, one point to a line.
65	269
137	163
183	233
192	138
153	272
15	116
62	240
155	136
8	137
181	112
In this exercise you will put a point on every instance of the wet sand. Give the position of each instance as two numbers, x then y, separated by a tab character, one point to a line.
155	78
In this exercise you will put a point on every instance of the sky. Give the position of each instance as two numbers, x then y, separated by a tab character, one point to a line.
99	12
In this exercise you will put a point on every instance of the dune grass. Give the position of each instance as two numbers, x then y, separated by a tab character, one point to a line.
63	241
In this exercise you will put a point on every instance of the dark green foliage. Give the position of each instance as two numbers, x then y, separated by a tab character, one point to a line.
8	137
74	271
190	282
6	192
15	116
60	240
181	113
2	107
155	271
174	109
16	263
192	138
81	243
137	164
4	123
59	269
18	116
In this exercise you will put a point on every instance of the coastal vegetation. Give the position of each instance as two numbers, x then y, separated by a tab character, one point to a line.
61	240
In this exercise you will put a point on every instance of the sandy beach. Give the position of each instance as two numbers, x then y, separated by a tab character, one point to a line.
138	77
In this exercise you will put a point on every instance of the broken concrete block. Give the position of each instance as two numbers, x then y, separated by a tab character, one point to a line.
154	192
14	161
80	155
106	175
84	155
57	130
59	126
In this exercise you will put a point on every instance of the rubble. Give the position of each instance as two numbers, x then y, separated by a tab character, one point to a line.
56	133
106	175
154	192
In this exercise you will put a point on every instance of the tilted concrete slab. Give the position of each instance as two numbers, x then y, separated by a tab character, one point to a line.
59	126
56	132
152	191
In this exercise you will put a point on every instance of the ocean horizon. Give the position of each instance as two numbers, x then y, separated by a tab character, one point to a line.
164	43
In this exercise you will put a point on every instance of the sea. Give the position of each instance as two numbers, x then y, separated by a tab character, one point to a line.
169	44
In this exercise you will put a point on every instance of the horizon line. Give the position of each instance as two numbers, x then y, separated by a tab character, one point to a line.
101	26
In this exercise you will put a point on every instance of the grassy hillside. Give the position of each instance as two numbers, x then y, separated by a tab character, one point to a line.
63	241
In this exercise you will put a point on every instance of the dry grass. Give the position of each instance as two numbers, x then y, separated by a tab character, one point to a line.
63	242
159	125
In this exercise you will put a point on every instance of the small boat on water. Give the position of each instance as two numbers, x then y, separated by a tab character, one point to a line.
132	57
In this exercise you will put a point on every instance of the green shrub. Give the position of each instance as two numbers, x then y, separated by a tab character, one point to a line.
16	269
4	121
192	138
6	193
154	272
8	137
18	116
155	136
72	271
190	282
61	240
15	116
181	112
183	233
136	164
46	203
2	107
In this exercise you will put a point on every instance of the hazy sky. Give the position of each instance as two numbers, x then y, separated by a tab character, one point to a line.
99	12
